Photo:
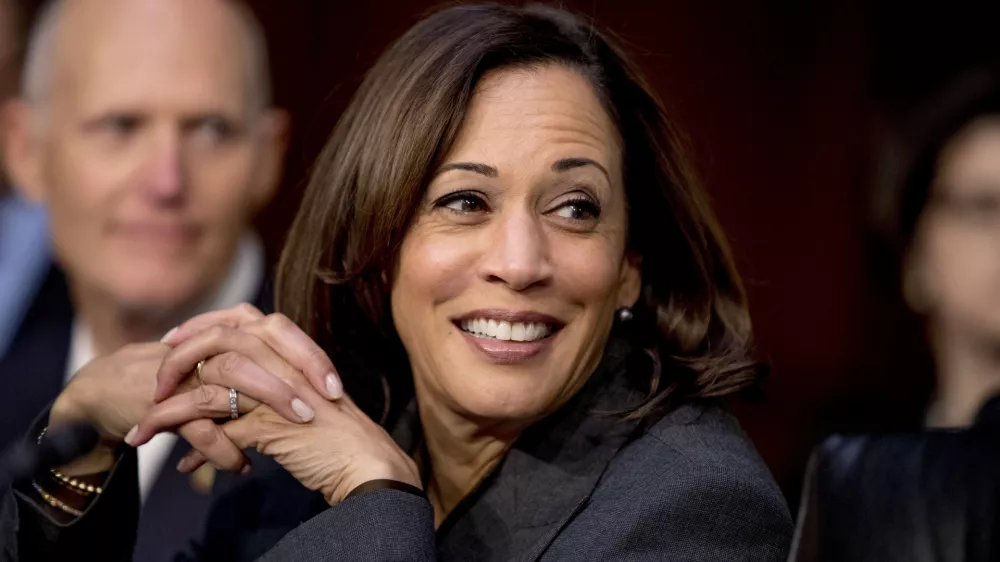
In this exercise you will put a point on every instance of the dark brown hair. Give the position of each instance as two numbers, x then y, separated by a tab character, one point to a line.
335	275
911	154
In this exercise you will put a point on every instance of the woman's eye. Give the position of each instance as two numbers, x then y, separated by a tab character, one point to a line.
463	203
579	210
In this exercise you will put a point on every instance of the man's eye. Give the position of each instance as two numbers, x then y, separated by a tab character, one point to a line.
121	125
214	129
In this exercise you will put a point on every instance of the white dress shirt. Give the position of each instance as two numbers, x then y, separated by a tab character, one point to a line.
240	285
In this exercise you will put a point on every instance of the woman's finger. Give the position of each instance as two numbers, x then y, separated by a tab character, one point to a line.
219	341
245	432
300	351
207	401
192	461
208	438
236	316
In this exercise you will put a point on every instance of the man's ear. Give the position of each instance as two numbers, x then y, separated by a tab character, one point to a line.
630	287
274	143
20	148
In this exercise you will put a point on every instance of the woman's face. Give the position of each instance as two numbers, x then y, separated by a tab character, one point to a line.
955	261
509	279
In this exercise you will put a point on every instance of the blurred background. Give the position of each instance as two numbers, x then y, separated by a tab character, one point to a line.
785	103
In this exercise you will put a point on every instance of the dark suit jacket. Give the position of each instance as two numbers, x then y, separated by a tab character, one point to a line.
580	485
920	497
33	370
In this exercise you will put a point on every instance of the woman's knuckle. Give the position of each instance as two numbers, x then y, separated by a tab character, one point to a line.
247	309
217	332
230	364
205	396
318	356
278	321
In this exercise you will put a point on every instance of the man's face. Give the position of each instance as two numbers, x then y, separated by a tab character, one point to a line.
151	155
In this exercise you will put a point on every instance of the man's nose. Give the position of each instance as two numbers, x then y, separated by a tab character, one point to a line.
165	176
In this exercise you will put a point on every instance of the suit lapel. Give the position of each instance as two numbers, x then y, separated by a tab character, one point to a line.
549	473
33	369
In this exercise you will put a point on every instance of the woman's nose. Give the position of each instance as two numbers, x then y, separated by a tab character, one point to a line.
517	252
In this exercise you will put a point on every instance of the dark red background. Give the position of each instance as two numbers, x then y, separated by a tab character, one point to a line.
784	101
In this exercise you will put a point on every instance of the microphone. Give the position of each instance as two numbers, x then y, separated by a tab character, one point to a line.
60	446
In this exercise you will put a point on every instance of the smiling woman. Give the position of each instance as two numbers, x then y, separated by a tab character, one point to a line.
504	256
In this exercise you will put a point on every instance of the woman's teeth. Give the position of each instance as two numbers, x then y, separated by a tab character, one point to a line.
510	331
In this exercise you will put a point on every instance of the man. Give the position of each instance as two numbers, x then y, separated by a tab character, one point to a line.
144	128
24	251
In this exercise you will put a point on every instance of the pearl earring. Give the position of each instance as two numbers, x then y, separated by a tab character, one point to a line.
624	314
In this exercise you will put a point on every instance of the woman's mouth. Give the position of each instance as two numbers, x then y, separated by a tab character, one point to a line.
507	331
507	337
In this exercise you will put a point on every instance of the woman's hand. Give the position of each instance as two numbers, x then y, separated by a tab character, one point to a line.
339	449
113	392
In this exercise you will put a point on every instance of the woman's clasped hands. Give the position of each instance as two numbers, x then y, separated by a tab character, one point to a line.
290	401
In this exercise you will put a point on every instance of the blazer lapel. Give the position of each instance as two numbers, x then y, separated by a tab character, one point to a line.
548	474
554	469
34	365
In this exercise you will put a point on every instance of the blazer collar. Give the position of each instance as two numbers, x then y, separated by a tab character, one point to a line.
550	471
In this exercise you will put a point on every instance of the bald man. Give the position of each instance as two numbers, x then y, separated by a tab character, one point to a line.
145	129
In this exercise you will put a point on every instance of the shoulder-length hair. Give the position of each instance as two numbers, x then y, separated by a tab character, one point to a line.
335	275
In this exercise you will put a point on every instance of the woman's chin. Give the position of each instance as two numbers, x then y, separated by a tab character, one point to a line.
498	401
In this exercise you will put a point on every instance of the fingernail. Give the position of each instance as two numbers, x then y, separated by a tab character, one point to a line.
131	434
334	387
302	410
245	471
166	337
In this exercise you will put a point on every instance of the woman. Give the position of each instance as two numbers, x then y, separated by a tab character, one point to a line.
939	212
502	239
932	494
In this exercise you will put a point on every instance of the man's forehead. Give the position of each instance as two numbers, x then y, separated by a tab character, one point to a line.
181	51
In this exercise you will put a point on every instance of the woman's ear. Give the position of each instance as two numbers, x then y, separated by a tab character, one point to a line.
630	281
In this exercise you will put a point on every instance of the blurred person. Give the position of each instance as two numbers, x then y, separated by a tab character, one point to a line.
904	497
504	233
931	495
939	209
144	127
24	249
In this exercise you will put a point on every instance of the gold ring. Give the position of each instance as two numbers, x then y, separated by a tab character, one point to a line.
197	371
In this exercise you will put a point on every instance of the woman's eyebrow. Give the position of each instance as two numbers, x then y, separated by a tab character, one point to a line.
482	169
567	164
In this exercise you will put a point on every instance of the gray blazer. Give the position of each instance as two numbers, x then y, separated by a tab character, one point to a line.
580	485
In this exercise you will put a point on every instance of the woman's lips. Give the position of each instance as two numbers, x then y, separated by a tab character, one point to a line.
506	352
506	336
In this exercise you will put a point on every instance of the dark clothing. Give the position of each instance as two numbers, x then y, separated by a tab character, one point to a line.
34	370
582	484
921	497
34	367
